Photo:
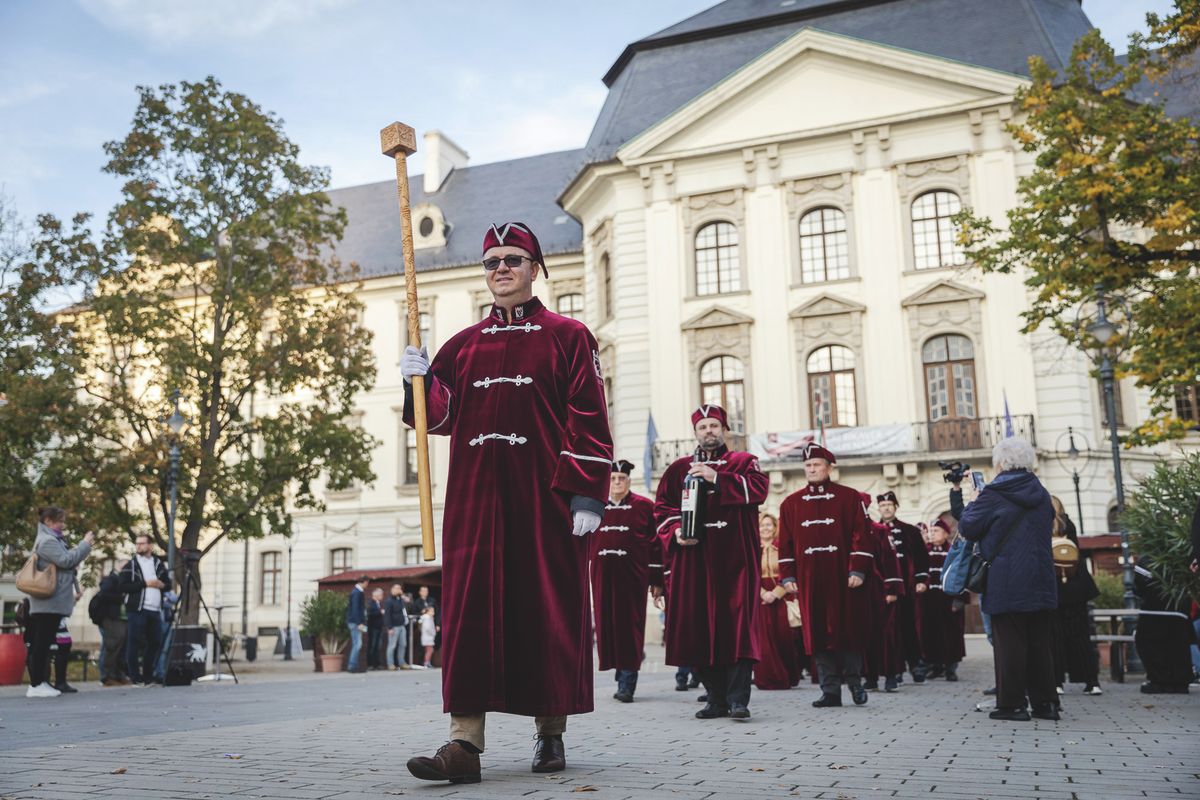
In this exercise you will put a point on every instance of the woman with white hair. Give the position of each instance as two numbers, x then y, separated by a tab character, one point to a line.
1011	521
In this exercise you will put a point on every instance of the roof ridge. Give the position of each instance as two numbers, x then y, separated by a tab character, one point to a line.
467	168
725	29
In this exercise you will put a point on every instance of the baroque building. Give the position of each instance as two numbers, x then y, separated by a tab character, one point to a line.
760	218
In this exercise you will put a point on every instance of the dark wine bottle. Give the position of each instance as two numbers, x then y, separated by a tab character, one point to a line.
691	506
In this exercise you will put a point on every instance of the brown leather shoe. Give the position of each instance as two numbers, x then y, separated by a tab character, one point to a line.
452	762
549	755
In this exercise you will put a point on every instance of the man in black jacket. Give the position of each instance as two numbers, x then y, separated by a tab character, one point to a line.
105	611
143	580
395	617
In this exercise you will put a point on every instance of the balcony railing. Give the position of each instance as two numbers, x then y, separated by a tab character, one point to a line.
942	439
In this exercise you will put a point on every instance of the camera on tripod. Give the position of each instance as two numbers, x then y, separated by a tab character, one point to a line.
956	471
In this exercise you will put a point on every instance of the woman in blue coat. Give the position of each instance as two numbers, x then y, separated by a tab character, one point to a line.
1011	521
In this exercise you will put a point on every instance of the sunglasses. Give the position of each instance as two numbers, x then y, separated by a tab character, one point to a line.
512	262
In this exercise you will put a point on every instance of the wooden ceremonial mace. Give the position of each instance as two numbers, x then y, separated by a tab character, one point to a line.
399	142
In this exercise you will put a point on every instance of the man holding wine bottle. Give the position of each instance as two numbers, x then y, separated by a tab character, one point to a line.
707	517
822	543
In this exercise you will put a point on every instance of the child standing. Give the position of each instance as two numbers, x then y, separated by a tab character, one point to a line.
428	635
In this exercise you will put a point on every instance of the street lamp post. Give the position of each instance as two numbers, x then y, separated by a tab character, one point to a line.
1073	456
1103	330
176	424
287	646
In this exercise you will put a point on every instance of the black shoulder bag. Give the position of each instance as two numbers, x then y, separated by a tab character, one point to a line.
978	566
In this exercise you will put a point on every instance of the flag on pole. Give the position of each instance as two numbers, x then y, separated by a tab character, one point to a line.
648	455
1008	424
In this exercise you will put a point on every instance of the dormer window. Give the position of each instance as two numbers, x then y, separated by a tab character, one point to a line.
429	227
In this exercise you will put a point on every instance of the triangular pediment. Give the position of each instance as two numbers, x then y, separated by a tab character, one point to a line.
815	82
943	291
826	305
716	317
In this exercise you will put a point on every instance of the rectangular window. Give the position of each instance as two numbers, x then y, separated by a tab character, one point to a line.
1187	402
341	560
272	572
412	554
410	456
426	326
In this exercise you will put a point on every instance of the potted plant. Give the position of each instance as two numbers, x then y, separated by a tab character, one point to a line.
323	616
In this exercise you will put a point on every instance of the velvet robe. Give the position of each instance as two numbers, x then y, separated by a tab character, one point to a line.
884	655
777	667
621	552
713	586
822	540
914	568
942	627
522	400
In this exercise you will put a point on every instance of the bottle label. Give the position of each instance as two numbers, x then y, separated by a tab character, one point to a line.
689	499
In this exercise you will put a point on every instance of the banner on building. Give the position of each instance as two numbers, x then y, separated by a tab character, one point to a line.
868	440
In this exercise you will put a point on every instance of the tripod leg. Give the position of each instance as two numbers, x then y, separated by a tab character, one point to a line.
212	625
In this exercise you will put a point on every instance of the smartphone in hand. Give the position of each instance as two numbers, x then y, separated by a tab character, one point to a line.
977	481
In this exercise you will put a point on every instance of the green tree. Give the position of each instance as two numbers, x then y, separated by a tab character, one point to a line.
45	452
1112	204
1159	518
215	277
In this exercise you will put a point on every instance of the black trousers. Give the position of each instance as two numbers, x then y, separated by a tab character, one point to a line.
43	628
1164	644
836	666
1024	655
728	685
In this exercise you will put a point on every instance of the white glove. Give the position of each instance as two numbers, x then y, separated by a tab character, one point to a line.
414	362
585	522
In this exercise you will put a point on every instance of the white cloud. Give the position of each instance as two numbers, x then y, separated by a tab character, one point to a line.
542	123
12	95
173	21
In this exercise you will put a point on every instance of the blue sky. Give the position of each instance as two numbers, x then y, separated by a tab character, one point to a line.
502	78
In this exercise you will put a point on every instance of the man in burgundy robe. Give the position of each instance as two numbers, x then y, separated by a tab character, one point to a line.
714	579
622	550
521	396
914	568
824	556
883	655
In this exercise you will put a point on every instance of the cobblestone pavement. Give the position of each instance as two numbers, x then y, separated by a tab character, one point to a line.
348	736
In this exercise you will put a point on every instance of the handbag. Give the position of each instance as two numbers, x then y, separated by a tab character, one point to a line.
978	566
1066	557
38	583
793	613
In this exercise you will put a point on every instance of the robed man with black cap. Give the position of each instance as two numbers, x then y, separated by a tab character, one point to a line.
622	550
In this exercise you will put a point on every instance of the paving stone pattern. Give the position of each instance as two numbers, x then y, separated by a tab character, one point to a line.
348	736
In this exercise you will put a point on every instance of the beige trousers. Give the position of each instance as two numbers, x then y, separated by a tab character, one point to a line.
469	727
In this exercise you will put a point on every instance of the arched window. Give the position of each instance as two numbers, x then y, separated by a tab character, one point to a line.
933	232
341	559
718	269
570	305
831	387
271	578
949	377
824	247
722	382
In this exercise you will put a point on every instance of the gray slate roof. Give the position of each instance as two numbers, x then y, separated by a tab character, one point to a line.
471	199
663	72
